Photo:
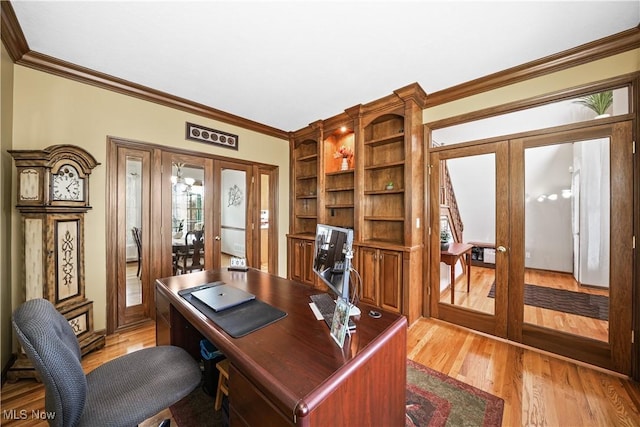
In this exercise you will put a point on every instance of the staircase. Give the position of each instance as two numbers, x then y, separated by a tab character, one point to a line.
448	204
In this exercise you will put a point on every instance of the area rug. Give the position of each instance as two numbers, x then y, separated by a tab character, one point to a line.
594	306
433	400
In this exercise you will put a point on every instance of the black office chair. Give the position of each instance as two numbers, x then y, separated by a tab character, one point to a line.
122	392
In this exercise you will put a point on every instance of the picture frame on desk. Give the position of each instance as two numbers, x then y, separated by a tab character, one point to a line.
340	323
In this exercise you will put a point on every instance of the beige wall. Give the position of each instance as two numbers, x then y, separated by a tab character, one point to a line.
624	63
53	110
6	118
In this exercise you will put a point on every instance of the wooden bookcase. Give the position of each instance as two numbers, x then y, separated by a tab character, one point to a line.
386	138
338	184
384	180
304	182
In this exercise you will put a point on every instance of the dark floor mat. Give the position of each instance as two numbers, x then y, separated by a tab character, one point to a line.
588	305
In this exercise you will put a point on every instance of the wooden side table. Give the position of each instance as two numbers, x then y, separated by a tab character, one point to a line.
451	256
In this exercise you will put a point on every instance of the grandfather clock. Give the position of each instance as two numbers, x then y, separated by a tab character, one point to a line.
53	197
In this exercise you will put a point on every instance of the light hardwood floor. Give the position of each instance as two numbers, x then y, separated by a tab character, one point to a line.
477	299
539	389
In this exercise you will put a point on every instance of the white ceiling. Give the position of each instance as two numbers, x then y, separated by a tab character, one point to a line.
287	64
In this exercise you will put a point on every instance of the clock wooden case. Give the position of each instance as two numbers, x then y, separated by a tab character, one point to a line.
53	179
53	197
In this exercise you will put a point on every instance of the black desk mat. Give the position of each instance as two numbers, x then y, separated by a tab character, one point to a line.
240	320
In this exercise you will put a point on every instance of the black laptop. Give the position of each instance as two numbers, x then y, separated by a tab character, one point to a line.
221	297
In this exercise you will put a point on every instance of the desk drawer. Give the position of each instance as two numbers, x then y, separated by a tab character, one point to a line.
249	407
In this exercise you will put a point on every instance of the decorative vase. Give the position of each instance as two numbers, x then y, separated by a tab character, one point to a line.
345	164
444	246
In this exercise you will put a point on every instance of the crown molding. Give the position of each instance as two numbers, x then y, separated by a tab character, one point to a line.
18	49
608	46
16	44
11	33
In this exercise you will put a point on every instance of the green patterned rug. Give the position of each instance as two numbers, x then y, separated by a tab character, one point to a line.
433	400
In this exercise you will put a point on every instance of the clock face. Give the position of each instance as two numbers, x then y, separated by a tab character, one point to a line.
67	184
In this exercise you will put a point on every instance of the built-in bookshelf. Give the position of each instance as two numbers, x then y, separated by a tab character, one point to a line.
373	194
384	180
339	184
305	172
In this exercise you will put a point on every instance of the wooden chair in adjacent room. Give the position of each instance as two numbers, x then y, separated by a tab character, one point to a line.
192	257
137	237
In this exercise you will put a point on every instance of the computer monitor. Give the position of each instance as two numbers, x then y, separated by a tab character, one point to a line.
332	258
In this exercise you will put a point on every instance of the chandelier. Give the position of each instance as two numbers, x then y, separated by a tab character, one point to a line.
181	183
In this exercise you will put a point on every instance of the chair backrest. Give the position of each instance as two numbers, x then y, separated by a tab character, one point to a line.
49	342
192	236
137	237
195	238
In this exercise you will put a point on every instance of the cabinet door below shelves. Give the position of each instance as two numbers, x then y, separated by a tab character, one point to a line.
381	272
368	273
301	253
390	280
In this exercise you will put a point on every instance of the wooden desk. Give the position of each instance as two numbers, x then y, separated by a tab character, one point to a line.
451	256
291	372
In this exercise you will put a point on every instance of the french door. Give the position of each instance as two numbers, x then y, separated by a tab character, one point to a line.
187	207
548	223
208	196
484	170
132	238
158	199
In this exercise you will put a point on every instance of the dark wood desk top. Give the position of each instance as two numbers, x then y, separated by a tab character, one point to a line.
294	360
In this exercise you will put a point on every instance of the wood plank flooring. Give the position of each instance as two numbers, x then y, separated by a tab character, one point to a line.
539	389
482	279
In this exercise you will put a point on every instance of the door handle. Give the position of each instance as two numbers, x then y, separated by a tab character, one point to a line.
501	249
217	238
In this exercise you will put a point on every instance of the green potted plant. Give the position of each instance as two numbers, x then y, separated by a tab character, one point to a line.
444	239
597	102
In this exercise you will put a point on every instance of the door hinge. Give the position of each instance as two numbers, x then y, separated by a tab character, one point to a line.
633	337
633	242
633	150
429	169
429	232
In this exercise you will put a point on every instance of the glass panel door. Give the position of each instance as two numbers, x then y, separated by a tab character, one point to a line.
567	221
133	207
187	214
187	218
577	252
265	197
234	215
131	302
468	275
